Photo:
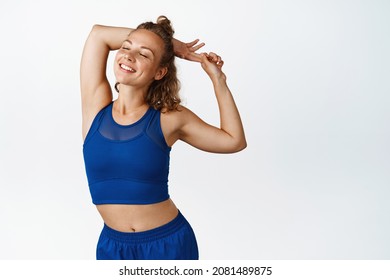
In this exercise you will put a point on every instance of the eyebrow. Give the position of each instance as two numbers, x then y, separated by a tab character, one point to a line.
142	47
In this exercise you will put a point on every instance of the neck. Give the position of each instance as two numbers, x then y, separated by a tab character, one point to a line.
130	101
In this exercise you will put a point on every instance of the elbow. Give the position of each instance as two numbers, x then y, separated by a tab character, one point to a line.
94	32
239	143
242	146
96	29
238	146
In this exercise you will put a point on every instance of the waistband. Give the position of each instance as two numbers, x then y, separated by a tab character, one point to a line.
148	235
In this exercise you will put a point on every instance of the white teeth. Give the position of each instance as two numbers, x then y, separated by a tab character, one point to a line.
127	68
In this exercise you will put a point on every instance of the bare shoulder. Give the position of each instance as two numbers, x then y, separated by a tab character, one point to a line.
177	115
173	121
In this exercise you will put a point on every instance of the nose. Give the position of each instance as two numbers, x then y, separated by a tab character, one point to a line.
128	57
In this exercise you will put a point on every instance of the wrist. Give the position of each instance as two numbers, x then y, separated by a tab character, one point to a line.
176	47
219	79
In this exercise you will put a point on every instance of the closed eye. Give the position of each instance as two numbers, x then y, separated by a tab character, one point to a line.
125	45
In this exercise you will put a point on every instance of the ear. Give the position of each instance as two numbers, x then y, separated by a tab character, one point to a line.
161	73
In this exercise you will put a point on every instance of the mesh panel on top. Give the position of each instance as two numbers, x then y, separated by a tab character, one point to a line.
114	131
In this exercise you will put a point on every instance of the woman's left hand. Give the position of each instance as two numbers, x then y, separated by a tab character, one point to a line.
212	64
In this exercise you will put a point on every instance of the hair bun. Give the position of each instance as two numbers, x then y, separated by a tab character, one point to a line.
165	23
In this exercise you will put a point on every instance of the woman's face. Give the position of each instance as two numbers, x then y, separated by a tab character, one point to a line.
137	62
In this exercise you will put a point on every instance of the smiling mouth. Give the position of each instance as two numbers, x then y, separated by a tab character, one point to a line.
127	68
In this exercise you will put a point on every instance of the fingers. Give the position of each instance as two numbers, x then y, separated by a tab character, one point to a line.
193	47
190	54
188	50
190	44
196	57
193	43
197	47
213	57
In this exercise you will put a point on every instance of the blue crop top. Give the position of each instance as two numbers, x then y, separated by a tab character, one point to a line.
126	164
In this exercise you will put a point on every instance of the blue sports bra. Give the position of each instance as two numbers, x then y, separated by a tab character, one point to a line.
126	164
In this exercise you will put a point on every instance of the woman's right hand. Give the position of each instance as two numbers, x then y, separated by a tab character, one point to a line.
187	50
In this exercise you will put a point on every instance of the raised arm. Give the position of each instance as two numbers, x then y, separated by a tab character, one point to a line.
95	88
230	136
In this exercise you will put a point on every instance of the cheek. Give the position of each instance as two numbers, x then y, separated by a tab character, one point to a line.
151	66
144	66
118	56
115	66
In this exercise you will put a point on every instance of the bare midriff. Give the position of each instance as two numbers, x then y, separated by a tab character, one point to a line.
136	218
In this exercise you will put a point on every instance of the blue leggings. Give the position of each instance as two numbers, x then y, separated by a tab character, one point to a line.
172	241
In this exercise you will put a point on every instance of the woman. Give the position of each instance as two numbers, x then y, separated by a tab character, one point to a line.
127	141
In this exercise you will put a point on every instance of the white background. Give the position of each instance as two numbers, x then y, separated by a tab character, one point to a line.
311	79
